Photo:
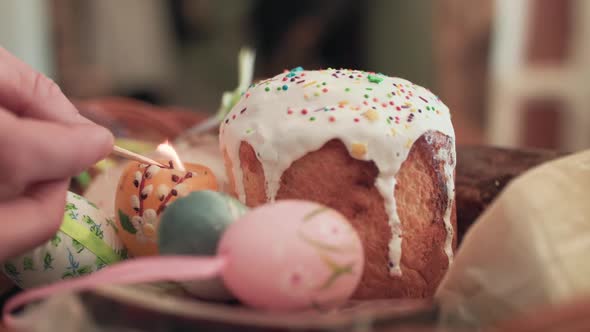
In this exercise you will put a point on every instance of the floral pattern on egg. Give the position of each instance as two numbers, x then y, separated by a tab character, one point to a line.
329	237
63	256
297	280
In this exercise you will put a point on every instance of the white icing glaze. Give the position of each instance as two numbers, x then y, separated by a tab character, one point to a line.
378	118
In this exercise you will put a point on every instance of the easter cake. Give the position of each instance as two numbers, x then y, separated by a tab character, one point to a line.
380	150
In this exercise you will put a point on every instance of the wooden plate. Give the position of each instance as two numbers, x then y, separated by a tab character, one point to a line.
148	307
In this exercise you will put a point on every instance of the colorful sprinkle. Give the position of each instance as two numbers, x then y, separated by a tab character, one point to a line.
312	118
309	84
358	150
285	87
375	78
371	115
267	89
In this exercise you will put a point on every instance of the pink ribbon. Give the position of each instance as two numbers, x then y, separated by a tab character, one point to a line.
138	270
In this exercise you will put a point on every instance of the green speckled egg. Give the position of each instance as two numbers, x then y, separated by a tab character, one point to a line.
193	225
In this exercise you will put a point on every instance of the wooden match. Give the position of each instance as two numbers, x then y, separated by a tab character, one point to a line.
134	156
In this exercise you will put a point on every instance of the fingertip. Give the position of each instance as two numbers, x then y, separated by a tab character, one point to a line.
108	139
88	145
100	139
51	151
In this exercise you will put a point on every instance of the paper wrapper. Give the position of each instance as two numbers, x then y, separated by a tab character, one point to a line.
529	248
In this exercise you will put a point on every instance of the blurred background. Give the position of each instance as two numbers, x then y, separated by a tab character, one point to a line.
512	72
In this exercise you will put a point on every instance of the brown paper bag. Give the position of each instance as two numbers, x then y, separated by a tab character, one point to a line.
528	249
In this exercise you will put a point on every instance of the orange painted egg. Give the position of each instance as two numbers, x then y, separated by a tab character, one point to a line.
144	192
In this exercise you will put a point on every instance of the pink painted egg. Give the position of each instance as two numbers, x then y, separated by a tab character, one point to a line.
292	255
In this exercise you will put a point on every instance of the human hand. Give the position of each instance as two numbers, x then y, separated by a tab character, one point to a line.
43	142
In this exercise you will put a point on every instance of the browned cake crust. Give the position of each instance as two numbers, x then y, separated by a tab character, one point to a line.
332	177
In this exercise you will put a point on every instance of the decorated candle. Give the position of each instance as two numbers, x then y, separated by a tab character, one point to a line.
86	242
193	225
145	191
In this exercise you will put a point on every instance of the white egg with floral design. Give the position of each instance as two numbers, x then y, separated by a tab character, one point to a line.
86	242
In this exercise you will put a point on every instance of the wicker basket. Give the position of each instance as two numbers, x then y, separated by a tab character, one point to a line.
138	120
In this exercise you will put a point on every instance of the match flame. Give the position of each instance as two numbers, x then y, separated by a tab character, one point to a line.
167	151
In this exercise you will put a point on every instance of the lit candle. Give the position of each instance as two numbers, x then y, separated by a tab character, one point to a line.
144	192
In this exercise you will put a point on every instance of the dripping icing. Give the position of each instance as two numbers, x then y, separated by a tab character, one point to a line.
384	117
